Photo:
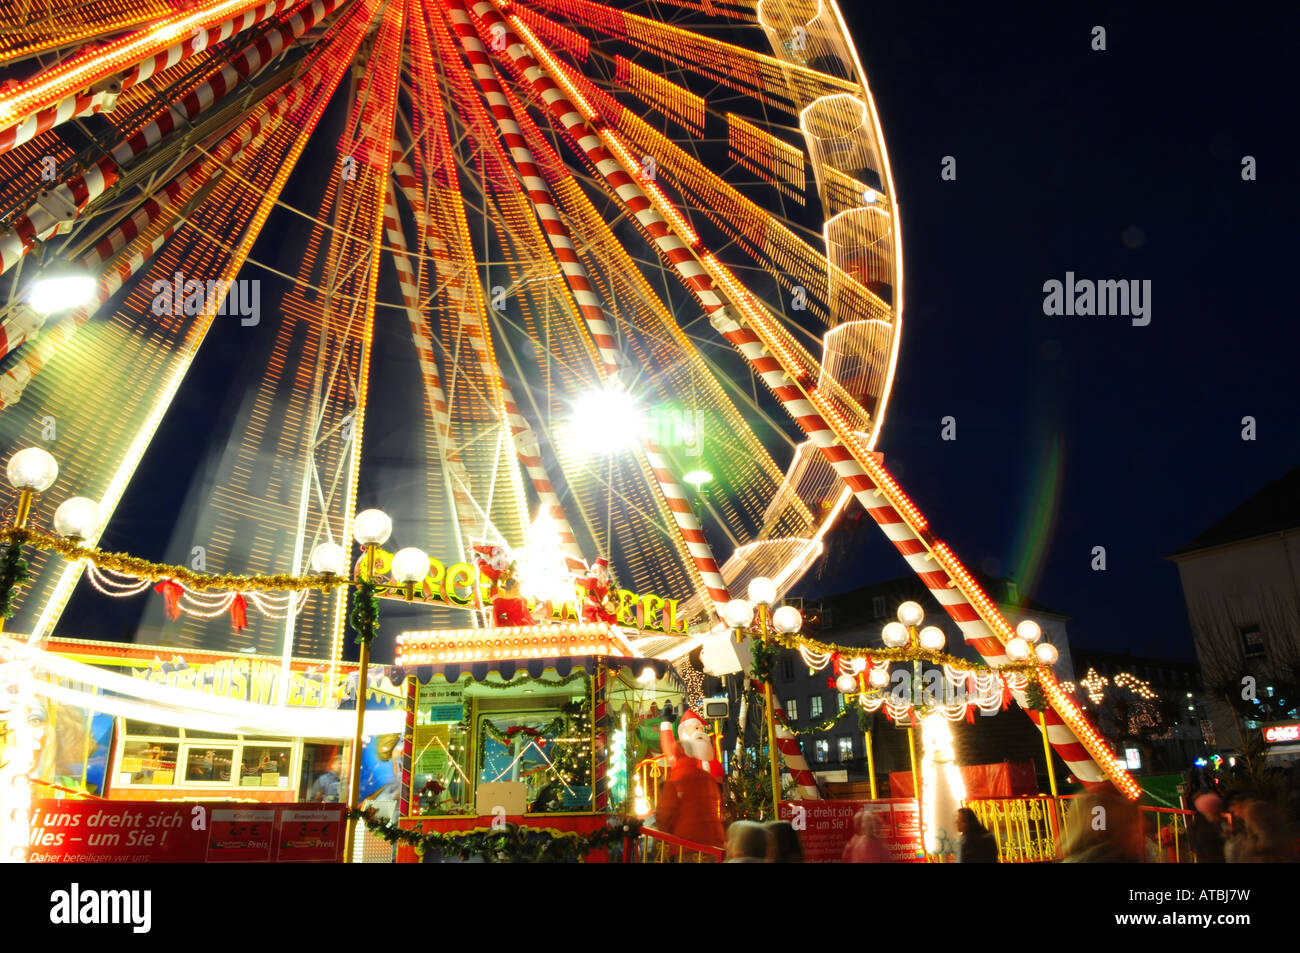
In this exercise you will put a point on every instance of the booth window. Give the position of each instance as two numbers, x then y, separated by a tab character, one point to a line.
163	756
148	763
208	764
264	765
538	760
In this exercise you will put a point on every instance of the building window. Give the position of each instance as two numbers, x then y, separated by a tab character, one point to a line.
821	751
815	707
787	670
1252	642
846	749
792	710
878	606
839	696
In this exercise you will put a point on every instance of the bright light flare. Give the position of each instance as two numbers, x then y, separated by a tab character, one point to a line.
542	567
942	788
608	421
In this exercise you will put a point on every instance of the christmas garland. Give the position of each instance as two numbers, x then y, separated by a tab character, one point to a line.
1035	698
827	724
13	573
537	734
159	572
764	659
364	617
509	844
909	654
544	682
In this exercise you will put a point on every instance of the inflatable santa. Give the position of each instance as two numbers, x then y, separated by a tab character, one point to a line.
594	590
690	801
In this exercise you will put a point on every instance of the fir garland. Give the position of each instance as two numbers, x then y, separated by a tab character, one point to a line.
13	573
828	723
364	617
1035	698
510	844
764	659
507	737
543	682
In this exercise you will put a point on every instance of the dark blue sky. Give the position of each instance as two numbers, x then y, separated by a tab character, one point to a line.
1117	164
1072	432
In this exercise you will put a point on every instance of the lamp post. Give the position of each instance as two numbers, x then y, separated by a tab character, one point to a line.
371	528
739	615
897	635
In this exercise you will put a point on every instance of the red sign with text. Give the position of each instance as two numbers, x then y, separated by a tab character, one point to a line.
144	832
1277	734
825	827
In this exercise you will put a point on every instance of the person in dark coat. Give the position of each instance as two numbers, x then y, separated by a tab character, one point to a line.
976	845
1205	830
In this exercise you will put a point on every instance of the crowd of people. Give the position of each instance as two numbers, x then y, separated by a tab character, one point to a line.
1098	828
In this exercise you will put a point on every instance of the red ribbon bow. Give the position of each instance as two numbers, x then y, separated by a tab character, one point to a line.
171	592
239	612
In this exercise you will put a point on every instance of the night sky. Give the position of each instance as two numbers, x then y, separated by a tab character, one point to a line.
1117	164
1072	432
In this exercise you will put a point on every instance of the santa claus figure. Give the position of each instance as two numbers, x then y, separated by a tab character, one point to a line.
597	602
690	801
509	607
492	562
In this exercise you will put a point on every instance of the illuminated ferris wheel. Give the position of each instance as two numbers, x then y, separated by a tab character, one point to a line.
645	259
590	212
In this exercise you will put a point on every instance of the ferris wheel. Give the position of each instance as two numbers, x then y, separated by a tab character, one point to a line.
646	260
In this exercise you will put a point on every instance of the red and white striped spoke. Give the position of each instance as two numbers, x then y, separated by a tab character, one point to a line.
410	288
242	65
537	190
792	754
808	408
77	88
526	447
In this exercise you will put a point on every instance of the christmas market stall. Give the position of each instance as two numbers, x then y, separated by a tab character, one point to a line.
535	727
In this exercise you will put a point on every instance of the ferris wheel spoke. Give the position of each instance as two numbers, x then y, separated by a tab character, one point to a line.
89	84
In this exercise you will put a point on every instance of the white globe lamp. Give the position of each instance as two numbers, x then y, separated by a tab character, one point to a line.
329	559
372	527
894	635
410	565
32	469
911	613
762	591
77	518
738	614
787	620
932	638
1029	630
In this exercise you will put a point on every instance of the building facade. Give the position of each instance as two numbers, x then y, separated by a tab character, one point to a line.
1241	584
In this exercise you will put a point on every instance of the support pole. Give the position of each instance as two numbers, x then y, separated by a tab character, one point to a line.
354	774
771	721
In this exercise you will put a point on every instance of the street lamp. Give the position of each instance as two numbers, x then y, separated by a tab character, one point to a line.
371	529
739	615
